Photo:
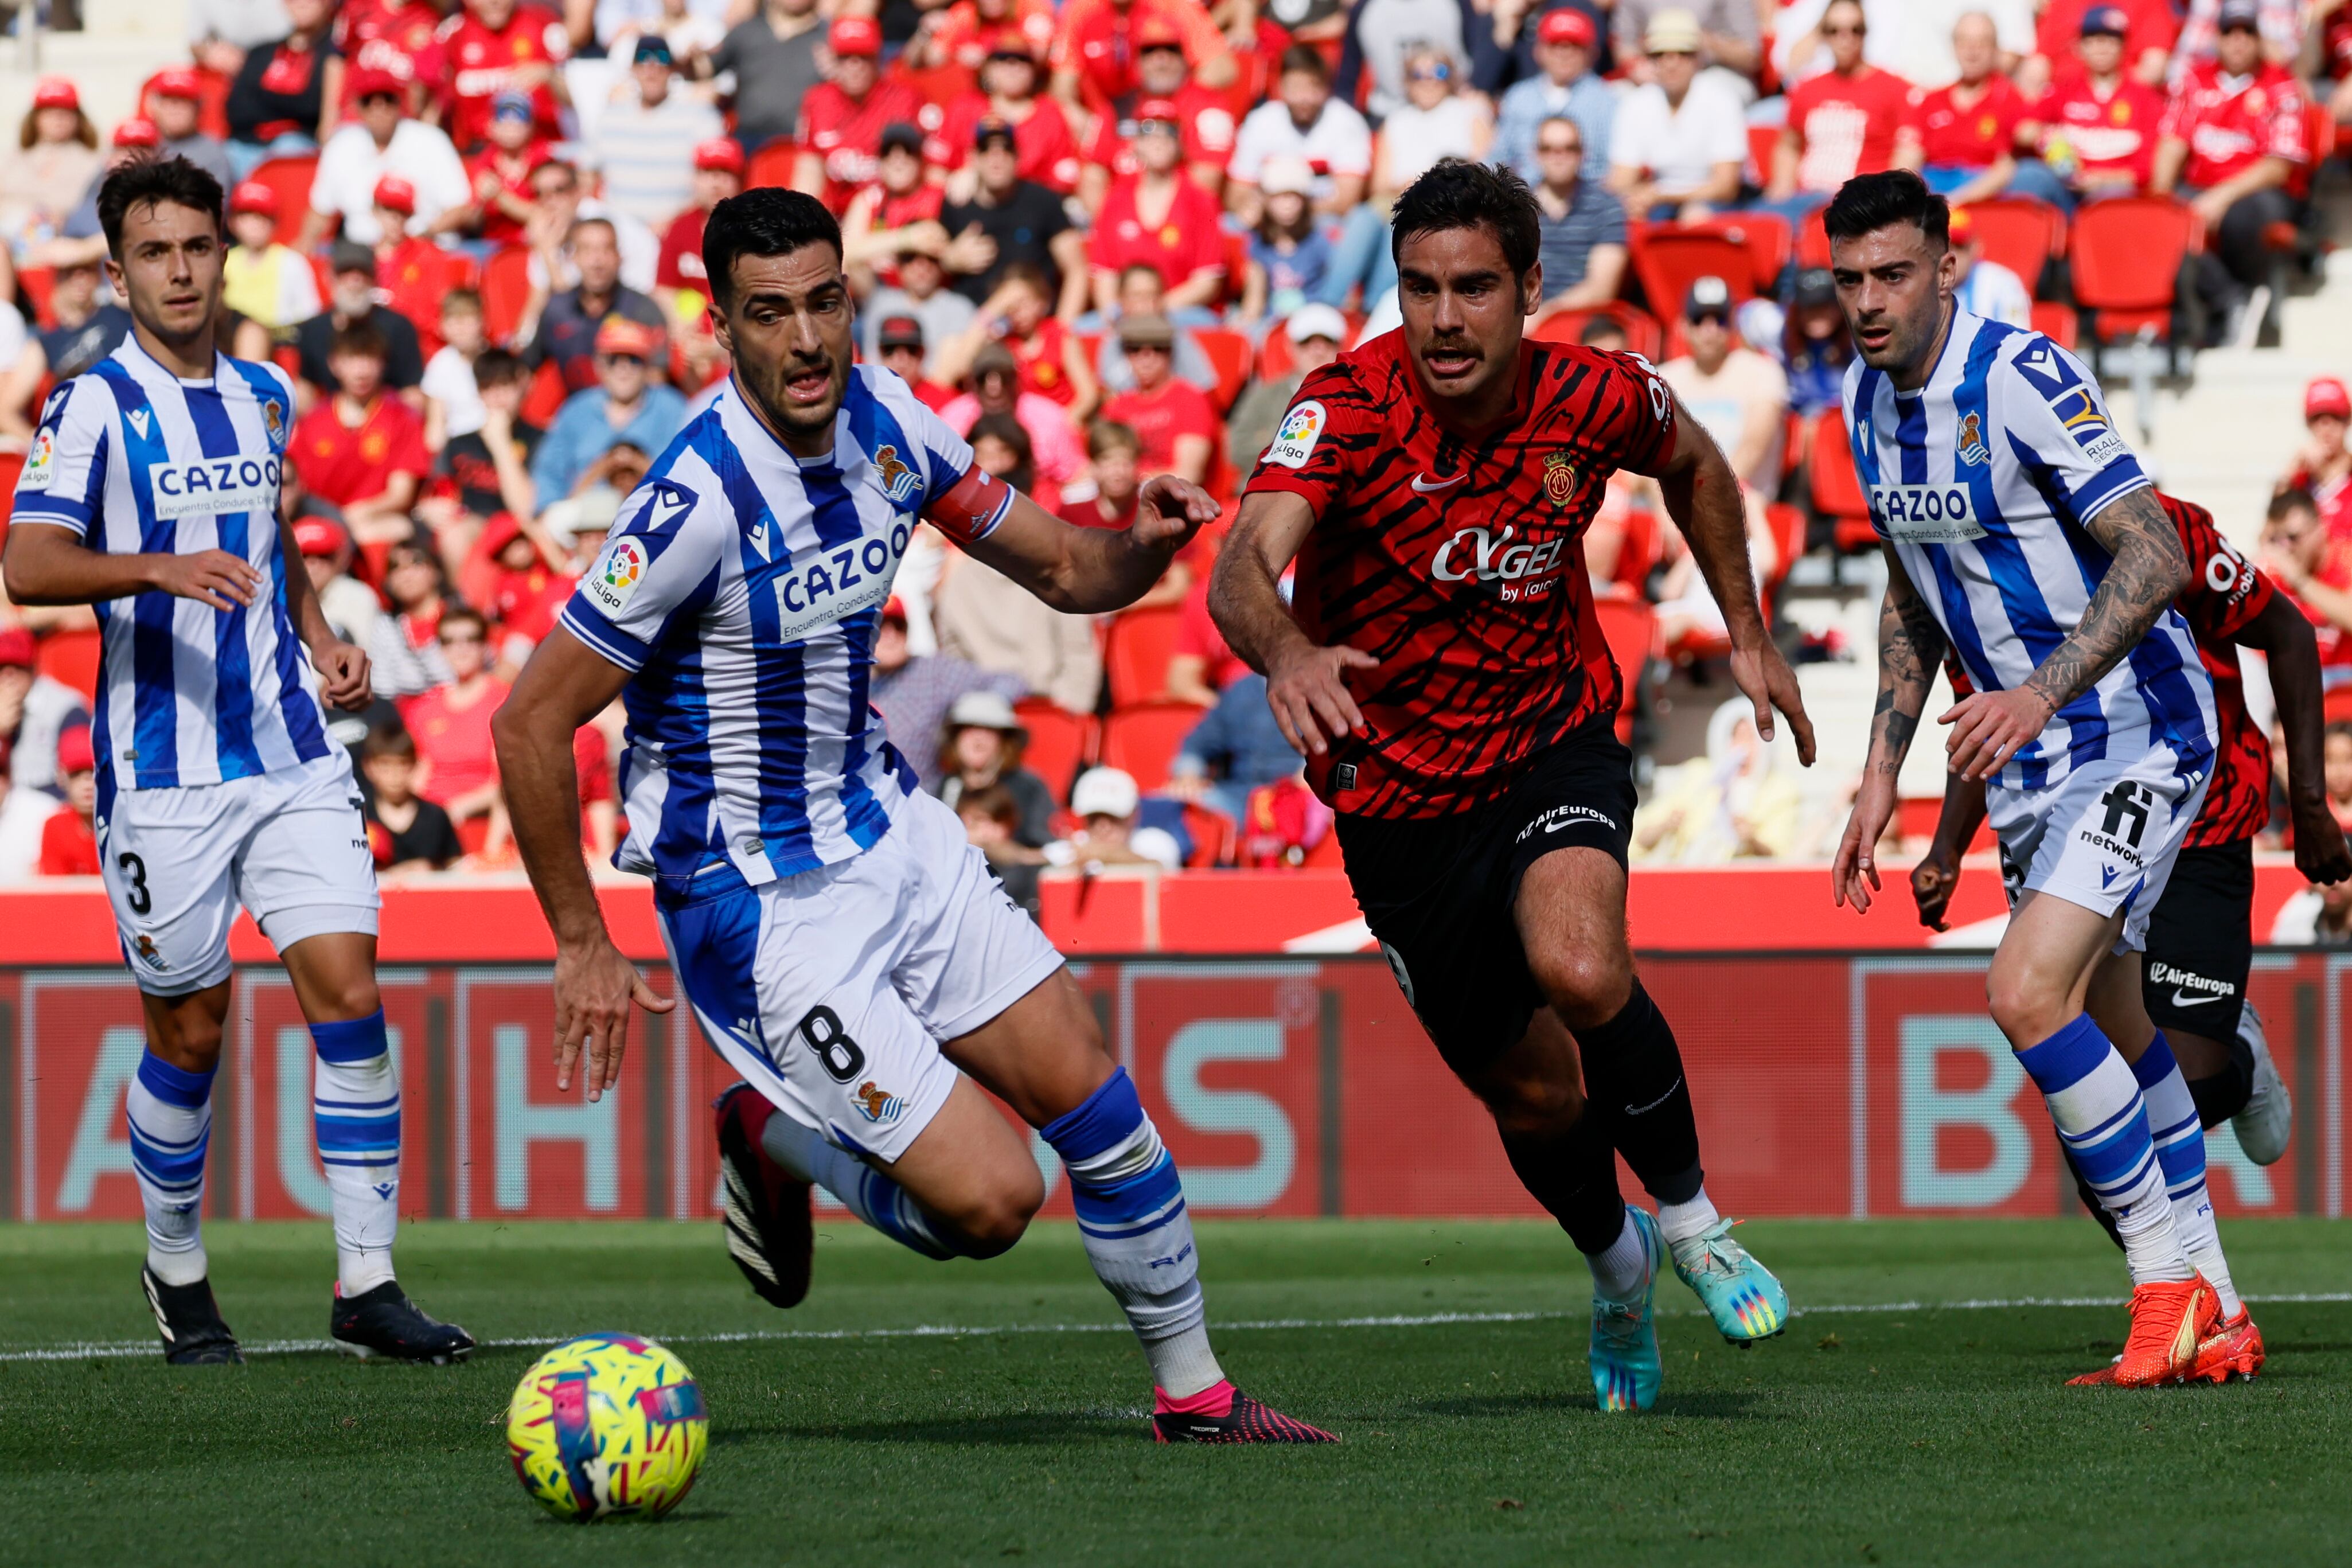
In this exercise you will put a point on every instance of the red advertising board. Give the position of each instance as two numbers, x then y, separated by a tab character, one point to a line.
1825	1084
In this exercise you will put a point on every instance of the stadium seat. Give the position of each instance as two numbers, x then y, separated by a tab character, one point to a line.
2127	254
1761	141
1765	235
1213	837
506	293
1669	260
40	285
1644	336
2055	322
1143	739
2022	233
1140	643
1788	525
1631	629
71	657
290	178
545	399
1229	353
1060	742
1638	555
772	165
1837	486
1812	241
12	466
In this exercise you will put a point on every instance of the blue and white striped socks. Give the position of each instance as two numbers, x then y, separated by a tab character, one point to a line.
1138	1233
2179	1137
2103	1119
170	1115
355	1107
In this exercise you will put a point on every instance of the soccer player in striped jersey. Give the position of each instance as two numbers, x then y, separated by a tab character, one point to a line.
2022	534
152	492
841	945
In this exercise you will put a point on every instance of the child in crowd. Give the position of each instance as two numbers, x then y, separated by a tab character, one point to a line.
1289	252
406	833
990	819
453	400
69	839
261	279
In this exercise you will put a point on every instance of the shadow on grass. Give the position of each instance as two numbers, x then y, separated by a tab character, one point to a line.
1039	1429
1726	1404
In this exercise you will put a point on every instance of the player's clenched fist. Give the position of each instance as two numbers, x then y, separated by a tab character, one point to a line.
343	677
211	576
1307	688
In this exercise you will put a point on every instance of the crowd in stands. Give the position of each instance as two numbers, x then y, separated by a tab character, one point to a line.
1105	239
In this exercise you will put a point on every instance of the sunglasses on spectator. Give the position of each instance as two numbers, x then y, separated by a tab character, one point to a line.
1843	30
639	359
1135	349
1674	53
1564	149
2240	27
461	639
1439	73
368	98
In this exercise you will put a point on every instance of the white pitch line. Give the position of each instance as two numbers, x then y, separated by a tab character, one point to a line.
104	1349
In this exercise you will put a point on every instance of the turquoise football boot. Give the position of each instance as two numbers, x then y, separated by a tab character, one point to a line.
1624	1356
1746	1301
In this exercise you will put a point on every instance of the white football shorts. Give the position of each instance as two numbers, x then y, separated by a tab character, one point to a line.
2104	836
830	991
291	846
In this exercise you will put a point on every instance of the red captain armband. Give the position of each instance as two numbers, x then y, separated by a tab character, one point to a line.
971	508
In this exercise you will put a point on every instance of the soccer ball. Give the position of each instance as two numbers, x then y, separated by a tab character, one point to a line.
607	1423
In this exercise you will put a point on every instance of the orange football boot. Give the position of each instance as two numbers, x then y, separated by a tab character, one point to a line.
2234	1348
2170	1318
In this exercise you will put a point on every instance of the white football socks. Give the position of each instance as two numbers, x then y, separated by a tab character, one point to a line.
1678	1223
1621	1269
170	1115
355	1109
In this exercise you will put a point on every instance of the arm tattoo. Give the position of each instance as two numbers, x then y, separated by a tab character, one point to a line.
2150	567
1910	645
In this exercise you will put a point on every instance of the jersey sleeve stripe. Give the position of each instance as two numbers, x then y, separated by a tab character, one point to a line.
588	623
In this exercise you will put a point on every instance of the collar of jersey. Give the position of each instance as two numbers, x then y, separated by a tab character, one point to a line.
130	353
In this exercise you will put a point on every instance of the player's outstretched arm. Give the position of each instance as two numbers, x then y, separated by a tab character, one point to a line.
2149	569
564	687
1910	643
1088	571
1305	685
2292	652
1702	495
47	563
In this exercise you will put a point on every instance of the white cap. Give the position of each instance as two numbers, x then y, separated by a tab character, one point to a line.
1105	792
1317	321
1281	173
982	710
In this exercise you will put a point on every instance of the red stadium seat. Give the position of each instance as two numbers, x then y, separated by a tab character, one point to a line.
2127	256
1229	353
545	399
290	178
1836	486
1788	525
1644	336
40	286
1669	260
2055	322
1139	645
1143	739
2022	233
1060	742
2319	138
506	293
1765	235
1213	837
71	657
1761	141
1631	629
1639	554
1812	241
772	165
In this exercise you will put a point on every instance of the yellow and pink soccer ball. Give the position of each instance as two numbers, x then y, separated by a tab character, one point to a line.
606	1426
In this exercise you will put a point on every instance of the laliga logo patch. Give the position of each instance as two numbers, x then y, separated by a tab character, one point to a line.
1293	443
899	481
1973	450
613	580
877	1106
41	464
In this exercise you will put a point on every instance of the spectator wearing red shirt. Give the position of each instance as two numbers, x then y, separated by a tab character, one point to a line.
1853	118
525	592
2232	136
503	201
1096	49
1116	455
2147	37
398	37
1202	665
717	174
411	271
2096	127
898	213
1046	149
1204	120
69	842
842	118
1173	418
969	31
1968	130
2315	567
902	339
493	44
1052	362
458	766
362	449
2323	467
1159	218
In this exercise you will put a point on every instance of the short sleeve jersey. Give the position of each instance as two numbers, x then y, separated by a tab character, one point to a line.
2229	122
1848	125
1976	135
2112	132
1458	564
743	591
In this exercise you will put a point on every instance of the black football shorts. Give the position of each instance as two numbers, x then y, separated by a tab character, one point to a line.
1438	891
2201	942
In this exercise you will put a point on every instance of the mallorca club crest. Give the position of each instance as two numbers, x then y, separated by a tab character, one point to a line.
1560	479
898	480
876	1105
1973	450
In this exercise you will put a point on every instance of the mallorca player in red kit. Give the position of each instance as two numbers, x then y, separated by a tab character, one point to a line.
1442	667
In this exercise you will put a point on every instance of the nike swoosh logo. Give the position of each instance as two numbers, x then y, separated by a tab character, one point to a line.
1421	486
2183	999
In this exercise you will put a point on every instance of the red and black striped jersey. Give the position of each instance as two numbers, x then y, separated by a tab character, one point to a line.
1457	562
2225	595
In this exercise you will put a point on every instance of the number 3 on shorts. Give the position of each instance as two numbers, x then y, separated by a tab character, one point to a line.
139	900
835	1051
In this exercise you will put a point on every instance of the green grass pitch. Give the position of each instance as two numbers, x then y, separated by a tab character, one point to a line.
1888	1425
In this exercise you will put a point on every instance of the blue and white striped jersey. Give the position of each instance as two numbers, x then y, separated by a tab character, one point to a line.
1983	481
135	460
742	590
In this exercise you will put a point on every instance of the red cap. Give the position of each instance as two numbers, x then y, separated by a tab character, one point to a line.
1963	226
1566	25
499	532
397	193
1159	109
138	131
855	35
2327	395
55	92
367	80
253	196
895	609
179	82
75	753
620	335
317	536
719	152
16	648
1154	31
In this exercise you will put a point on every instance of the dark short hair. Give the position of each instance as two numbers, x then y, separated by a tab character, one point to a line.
1868	202
1306	59
462	299
389	739
499	367
2295	498
357	339
1005	429
1029	275
151	182
1458	193
769	221
465	613
993	802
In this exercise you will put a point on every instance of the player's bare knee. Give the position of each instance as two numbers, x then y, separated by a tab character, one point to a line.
999	1217
1584	987
2025	1011
189	1038
1534	1107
